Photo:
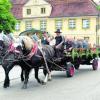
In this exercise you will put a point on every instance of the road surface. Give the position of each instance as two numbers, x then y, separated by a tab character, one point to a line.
85	85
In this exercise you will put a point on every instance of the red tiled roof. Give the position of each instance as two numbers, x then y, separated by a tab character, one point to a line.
17	8
19	1
17	11
60	8
72	8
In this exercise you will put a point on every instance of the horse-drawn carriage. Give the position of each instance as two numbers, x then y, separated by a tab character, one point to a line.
68	61
72	59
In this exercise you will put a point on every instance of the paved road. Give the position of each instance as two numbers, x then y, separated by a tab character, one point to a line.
85	85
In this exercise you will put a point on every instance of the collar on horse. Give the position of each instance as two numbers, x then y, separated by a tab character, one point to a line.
33	50
12	48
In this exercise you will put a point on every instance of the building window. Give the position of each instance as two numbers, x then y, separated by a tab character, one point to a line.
17	26
85	23
43	10
28	25
35	1
58	24
86	38
43	25
28	11
72	23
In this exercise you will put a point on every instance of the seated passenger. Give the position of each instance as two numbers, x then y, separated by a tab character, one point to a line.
69	45
75	43
79	44
85	44
45	39
35	36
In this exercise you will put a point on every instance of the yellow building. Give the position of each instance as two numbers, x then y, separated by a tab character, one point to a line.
76	18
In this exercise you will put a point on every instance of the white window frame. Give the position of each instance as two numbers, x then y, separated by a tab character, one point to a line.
43	25
17	26
28	25
85	23
59	24
72	23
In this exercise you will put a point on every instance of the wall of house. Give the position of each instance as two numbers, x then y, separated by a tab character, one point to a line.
78	32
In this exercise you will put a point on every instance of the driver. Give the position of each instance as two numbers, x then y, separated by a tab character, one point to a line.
59	42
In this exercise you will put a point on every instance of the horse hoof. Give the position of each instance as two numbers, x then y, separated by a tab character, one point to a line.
49	80
22	79
24	87
5	86
43	83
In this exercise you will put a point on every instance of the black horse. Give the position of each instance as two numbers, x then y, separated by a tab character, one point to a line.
4	53
40	58
36	61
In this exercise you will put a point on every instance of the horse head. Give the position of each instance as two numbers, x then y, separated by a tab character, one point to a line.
27	44
21	48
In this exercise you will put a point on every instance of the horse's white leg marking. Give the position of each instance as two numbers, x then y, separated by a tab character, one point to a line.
46	78
49	77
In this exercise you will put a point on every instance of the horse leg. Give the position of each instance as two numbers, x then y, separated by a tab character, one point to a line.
26	79
46	78
36	70
6	81
7	70
49	76
22	75
44	72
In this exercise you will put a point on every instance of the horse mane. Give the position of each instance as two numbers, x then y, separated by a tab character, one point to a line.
49	51
28	42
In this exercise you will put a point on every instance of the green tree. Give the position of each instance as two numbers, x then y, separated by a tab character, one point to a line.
98	7
7	20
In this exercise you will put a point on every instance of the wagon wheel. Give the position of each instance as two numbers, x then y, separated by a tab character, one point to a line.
95	64
70	70
77	63
77	66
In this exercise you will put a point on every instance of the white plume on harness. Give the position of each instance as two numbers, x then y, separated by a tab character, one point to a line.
4	38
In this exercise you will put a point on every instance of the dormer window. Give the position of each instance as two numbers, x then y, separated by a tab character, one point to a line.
28	11
43	10
35	1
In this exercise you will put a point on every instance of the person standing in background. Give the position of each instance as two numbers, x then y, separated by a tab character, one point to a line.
35	37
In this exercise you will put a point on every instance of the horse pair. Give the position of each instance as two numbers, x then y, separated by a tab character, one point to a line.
37	60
